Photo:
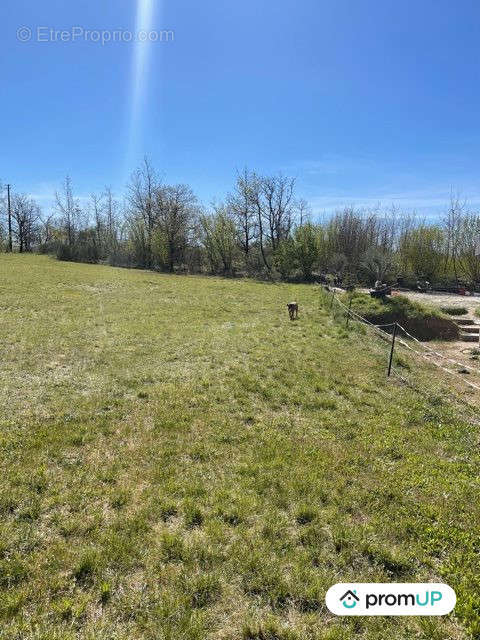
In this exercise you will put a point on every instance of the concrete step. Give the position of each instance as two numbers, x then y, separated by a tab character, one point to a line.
464	321
470	329
469	337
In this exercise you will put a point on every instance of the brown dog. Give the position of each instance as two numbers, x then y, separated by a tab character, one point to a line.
292	310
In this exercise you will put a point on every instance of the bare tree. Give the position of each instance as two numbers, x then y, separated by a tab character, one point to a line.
142	190
303	211
26	215
111	217
47	228
349	234
241	206
97	206
272	199
278	212
69	211
3	218
452	224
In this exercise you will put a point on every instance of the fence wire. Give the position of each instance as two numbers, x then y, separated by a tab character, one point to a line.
422	351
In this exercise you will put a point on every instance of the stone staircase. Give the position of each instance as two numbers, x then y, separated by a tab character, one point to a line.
469	329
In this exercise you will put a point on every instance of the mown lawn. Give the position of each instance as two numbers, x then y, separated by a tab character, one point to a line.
180	461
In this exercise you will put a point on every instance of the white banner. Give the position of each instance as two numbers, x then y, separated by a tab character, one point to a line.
390	599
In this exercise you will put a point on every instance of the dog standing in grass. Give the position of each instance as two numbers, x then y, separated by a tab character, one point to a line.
292	310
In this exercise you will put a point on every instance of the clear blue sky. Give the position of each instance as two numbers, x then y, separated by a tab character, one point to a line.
362	100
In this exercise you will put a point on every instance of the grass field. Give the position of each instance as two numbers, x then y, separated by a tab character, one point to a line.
180	461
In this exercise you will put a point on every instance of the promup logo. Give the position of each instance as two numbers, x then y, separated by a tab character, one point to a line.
390	599
350	599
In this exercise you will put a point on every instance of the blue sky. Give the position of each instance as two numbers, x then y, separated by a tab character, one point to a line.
364	101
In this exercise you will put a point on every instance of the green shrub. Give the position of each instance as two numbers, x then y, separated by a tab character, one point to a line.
454	311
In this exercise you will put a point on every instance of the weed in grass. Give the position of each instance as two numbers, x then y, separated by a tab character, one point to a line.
105	592
305	515
203	590
86	568
64	609
193	516
172	548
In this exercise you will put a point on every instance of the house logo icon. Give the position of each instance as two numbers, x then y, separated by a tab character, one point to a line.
349	599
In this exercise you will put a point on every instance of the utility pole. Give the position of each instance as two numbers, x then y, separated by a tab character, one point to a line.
10	247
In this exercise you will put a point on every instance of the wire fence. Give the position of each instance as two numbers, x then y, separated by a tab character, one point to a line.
395	336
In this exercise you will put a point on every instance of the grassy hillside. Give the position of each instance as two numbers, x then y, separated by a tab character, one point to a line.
180	461
423	322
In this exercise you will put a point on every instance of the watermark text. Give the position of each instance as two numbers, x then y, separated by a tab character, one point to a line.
97	36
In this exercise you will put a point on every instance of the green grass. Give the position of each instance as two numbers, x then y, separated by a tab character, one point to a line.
425	323
454	311
180	461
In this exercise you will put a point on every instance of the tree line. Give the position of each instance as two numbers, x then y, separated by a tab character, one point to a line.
261	229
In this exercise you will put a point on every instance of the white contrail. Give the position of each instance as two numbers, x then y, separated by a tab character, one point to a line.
140	72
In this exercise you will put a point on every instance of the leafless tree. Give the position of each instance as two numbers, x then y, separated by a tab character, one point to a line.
111	216
26	215
452	225
240	204
47	228
142	191
69	211
303	211
278	212
97	207
272	200
3	217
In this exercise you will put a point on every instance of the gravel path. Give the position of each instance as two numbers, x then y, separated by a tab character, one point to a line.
445	299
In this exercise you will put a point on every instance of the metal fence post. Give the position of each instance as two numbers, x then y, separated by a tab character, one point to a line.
333	296
391	350
348	313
